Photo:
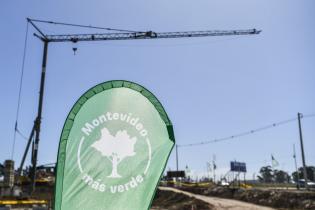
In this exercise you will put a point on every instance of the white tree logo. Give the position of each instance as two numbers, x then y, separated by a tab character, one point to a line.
115	148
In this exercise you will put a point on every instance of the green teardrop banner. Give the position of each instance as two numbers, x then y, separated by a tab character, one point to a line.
113	149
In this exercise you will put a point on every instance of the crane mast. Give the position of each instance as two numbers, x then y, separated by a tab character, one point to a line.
34	137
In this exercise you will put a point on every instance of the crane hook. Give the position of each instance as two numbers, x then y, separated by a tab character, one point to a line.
74	50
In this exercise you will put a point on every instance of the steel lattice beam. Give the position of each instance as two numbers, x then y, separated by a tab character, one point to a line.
144	35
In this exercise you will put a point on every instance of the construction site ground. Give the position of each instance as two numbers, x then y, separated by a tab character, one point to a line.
273	198
180	199
215	197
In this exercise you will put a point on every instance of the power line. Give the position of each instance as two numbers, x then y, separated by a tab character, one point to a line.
238	135
307	115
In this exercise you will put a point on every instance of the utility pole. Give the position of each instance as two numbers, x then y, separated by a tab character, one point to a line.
302	151
176	157
214	167
209	169
296	168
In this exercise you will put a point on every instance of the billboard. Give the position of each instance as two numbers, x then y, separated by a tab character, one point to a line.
175	174
238	166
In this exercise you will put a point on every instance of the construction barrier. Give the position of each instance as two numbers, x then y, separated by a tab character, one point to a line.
22	202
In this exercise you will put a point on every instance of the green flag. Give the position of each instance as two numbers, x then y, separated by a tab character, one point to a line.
113	149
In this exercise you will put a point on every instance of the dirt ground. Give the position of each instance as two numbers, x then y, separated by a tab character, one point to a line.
210	198
213	202
275	198
170	200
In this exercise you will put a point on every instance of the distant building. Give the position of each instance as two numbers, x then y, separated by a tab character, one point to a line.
8	180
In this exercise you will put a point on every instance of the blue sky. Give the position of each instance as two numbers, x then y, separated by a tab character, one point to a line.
211	87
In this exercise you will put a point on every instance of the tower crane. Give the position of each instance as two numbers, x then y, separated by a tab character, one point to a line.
34	136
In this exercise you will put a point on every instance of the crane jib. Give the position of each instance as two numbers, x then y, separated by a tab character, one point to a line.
145	35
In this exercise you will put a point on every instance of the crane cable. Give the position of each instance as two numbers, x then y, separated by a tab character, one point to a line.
16	130
238	135
84	26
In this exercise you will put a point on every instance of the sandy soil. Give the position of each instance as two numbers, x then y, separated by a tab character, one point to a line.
220	203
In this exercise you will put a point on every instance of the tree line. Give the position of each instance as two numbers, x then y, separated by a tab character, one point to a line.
270	175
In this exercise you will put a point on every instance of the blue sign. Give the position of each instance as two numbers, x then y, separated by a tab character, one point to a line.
238	166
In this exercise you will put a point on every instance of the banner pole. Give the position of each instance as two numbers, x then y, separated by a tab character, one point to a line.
176	157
